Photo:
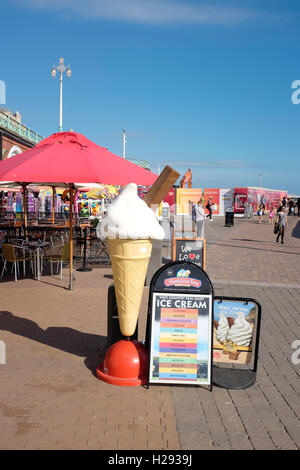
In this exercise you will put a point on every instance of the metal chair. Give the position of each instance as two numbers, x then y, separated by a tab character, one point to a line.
56	241
63	255
11	254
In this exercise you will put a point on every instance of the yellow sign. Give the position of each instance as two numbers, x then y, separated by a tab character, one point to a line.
185	198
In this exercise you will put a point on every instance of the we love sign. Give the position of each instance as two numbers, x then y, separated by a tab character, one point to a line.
192	250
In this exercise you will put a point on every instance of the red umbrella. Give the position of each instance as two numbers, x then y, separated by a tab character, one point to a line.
68	158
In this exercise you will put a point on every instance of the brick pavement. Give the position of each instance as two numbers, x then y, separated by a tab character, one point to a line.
246	261
249	252
51	399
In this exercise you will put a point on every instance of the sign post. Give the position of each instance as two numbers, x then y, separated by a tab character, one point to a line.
180	326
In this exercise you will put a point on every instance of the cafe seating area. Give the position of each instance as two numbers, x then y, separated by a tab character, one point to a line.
45	248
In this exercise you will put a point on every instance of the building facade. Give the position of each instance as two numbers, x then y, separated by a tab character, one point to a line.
15	137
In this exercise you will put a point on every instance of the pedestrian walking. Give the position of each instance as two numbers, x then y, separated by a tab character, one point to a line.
298	205
200	219
282	224
209	206
291	207
260	213
271	215
284	202
194	216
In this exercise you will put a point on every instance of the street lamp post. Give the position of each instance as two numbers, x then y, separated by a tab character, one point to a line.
124	142
61	68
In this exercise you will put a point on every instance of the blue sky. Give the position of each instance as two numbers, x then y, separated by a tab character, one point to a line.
199	84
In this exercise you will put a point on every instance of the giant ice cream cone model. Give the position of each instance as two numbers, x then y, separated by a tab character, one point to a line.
129	226
129	260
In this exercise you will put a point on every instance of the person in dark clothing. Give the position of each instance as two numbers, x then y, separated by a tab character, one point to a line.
298	205
283	223
284	202
209	208
291	207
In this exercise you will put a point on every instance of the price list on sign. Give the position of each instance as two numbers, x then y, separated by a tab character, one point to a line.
181	339
178	343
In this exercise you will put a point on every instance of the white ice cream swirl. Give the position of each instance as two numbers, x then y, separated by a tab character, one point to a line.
129	217
241	331
222	330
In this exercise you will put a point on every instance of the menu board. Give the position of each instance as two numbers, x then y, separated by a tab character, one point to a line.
192	250
181	339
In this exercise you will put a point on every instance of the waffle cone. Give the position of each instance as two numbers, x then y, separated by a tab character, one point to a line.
129	261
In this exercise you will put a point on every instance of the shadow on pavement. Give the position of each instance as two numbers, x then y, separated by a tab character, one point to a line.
66	339
256	248
296	231
251	240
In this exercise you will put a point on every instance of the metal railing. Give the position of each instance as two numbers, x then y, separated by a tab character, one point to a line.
141	163
11	124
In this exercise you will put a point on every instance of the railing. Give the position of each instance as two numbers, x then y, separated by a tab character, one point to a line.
39	217
142	163
9	123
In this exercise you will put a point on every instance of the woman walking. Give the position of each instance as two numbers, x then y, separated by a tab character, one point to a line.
200	219
282	222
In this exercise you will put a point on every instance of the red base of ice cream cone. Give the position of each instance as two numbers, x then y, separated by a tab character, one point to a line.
125	363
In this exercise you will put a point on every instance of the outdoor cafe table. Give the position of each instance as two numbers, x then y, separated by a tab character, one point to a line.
37	246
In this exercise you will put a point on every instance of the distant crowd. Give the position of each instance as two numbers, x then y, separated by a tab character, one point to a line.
288	204
286	207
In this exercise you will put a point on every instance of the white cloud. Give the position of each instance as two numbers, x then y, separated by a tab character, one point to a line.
151	11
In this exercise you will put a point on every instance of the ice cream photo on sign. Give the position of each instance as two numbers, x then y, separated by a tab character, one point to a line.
129	226
234	323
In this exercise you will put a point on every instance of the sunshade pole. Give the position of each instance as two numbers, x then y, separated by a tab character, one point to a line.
71	236
24	186
53	203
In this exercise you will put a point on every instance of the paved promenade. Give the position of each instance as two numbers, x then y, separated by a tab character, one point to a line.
51	399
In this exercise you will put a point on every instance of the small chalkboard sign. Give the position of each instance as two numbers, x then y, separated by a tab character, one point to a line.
189	249
179	327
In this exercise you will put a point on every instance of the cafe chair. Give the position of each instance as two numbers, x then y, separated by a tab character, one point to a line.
14	254
16	241
56	241
62	255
